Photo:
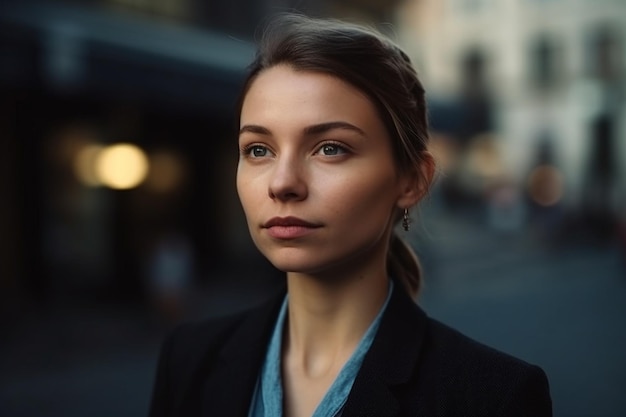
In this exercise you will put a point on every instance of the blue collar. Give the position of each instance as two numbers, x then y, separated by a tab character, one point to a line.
268	396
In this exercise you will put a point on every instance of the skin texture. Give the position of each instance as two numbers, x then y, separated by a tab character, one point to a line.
313	147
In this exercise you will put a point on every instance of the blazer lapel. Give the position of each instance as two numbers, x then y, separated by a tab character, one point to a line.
228	380
230	386
390	361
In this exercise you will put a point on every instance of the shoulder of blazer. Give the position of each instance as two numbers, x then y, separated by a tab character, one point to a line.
192	350
464	374
418	366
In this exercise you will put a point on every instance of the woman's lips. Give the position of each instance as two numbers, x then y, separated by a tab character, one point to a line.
289	227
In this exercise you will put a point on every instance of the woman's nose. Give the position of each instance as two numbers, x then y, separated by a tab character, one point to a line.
287	181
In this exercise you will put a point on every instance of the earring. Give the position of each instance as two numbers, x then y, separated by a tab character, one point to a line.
406	220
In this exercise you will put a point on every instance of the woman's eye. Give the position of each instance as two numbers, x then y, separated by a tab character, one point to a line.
257	151
330	149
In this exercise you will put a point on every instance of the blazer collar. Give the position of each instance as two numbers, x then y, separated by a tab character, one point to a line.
391	360
233	376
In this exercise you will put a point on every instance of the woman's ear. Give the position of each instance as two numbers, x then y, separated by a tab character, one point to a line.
416	182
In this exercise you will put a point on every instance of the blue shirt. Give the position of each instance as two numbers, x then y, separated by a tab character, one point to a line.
267	400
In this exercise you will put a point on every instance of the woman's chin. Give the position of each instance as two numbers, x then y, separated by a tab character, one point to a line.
300	266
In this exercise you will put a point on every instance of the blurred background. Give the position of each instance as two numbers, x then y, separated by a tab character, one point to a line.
119	216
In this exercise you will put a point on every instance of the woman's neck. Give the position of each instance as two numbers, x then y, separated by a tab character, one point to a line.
328	317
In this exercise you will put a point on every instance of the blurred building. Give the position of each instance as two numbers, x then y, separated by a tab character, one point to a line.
543	79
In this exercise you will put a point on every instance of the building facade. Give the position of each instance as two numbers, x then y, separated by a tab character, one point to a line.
554	72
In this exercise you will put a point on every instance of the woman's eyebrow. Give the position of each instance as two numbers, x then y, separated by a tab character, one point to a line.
254	129
316	129
325	127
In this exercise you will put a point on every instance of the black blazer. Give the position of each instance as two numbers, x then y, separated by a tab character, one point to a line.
416	366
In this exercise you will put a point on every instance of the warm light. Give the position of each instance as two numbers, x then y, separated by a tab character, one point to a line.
484	157
121	166
84	165
545	185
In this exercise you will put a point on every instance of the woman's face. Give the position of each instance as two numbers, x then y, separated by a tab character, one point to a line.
316	175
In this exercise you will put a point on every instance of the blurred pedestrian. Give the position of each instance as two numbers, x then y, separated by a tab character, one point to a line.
333	138
170	275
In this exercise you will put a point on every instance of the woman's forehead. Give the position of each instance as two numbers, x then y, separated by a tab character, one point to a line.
281	90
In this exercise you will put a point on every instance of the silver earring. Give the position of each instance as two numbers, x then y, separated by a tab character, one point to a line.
406	220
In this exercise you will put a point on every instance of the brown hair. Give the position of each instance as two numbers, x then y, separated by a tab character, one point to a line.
376	66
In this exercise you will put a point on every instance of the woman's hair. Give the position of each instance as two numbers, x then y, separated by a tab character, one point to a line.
373	64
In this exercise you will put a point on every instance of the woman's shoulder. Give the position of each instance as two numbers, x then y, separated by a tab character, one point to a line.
201	339
445	350
465	367
459	351
197	349
200	334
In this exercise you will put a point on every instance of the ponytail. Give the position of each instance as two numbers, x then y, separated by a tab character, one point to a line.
403	265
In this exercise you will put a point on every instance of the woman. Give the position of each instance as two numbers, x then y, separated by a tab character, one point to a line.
333	154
